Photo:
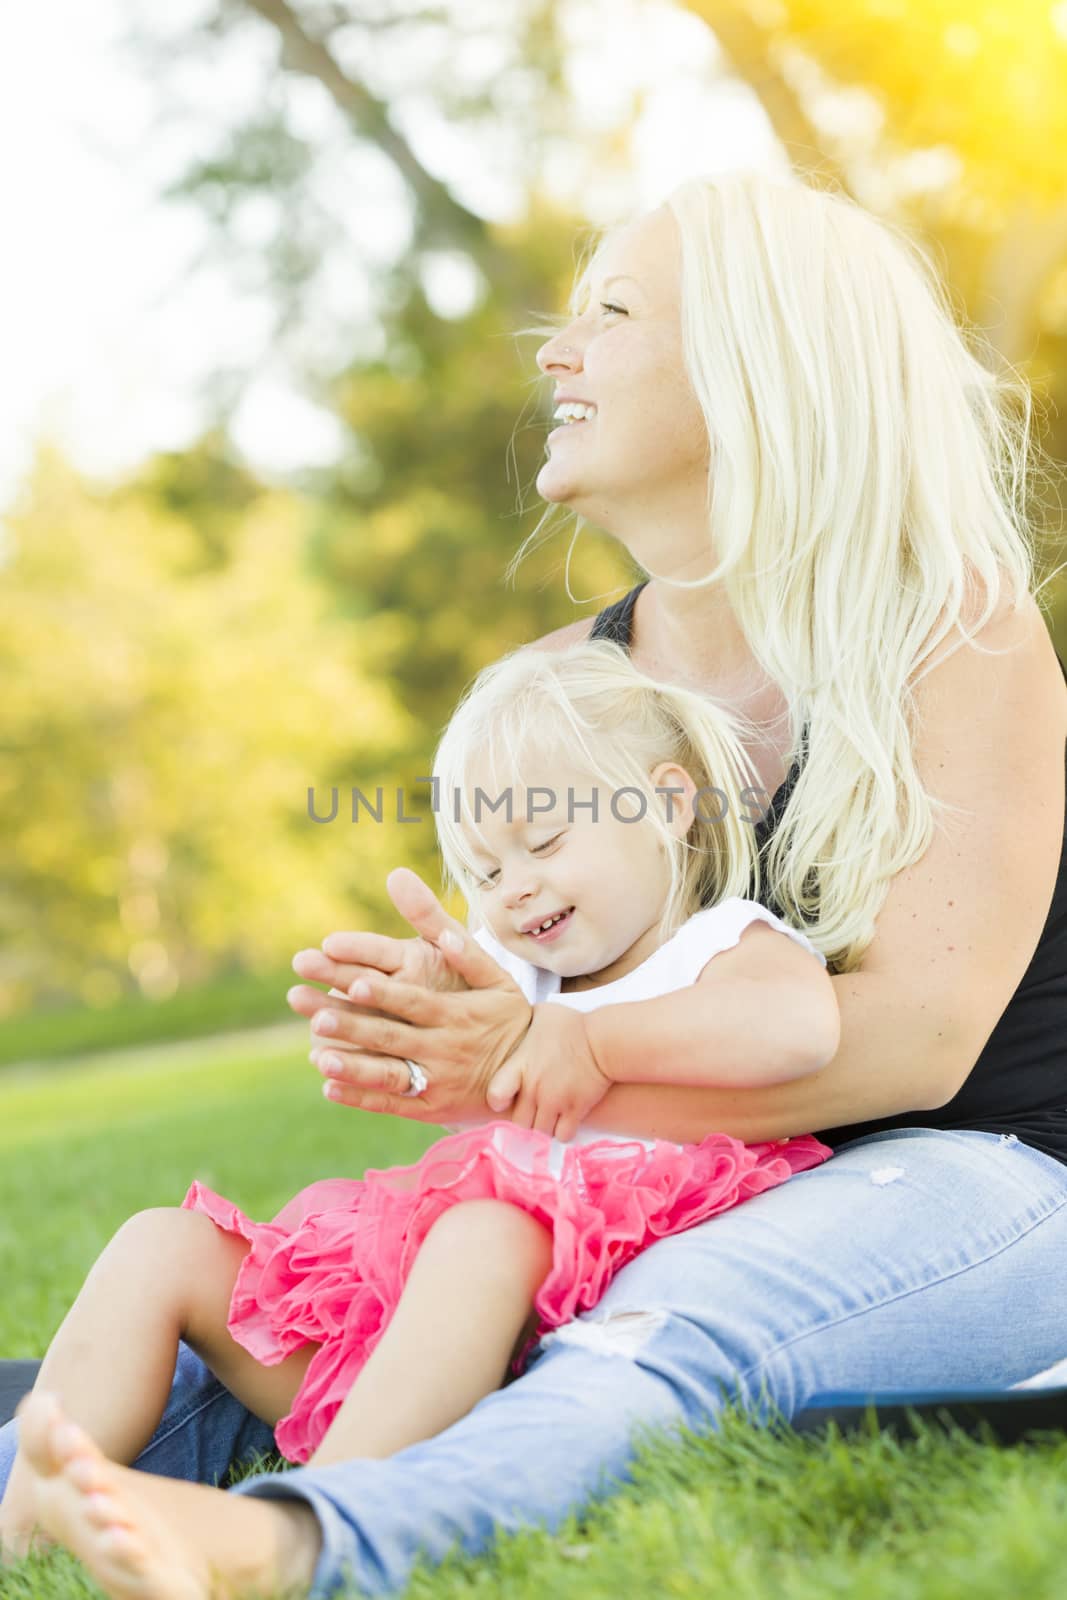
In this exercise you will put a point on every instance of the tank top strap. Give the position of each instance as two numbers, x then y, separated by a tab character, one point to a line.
616	622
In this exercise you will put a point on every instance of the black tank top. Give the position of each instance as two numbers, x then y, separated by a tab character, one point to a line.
1018	1085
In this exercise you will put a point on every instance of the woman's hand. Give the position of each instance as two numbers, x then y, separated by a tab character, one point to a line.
459	1038
552	1081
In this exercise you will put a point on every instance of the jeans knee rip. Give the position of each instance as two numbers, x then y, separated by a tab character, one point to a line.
883	1175
618	1333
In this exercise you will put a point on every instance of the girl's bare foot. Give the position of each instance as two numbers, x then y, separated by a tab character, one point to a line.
86	1503
17	1533
17	1538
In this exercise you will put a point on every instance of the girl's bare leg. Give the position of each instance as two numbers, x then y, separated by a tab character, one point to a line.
166	1275
467	1301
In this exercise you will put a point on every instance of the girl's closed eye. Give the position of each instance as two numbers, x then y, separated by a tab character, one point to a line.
618	310
489	878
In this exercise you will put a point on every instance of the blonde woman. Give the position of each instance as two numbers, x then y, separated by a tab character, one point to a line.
771	409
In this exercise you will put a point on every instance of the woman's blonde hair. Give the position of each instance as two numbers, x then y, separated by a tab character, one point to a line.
589	710
867	487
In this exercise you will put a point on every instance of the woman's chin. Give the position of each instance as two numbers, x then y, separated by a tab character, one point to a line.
555	484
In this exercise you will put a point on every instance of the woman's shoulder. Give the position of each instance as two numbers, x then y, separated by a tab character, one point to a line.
1015	635
571	633
991	706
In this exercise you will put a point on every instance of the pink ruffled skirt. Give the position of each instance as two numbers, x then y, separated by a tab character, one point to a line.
331	1266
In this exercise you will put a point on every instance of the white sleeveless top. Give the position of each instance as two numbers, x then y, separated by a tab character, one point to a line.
675	965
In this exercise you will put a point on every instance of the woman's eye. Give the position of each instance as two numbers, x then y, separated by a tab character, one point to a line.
556	837
604	306
489	878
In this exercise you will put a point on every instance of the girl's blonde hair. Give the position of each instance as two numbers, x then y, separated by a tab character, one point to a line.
590	710
867	487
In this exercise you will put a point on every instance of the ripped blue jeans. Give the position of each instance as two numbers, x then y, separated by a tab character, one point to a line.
912	1259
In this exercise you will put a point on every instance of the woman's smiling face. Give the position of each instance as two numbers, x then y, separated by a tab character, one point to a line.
645	450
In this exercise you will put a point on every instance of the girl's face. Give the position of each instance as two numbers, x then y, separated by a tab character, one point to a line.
642	458
601	881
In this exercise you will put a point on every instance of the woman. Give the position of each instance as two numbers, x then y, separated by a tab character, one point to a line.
781	425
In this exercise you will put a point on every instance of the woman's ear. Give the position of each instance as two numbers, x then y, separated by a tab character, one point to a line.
677	791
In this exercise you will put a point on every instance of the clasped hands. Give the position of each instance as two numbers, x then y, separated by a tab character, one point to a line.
441	1000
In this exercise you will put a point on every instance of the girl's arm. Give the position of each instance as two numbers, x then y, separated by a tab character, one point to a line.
893	1058
760	1013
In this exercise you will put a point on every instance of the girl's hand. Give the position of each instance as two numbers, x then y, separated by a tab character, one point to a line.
552	1077
346	957
459	1038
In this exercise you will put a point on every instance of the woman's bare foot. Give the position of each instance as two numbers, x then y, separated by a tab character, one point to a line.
152	1538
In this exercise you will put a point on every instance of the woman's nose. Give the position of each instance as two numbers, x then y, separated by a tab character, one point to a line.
562	350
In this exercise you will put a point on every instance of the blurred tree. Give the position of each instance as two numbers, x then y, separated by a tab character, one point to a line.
196	649
947	115
421	514
162	722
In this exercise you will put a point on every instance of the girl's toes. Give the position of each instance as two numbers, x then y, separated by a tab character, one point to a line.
86	1472
124	1544
67	1440
39	1415
104	1511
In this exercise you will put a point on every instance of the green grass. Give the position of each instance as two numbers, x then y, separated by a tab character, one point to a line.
237	1000
742	1511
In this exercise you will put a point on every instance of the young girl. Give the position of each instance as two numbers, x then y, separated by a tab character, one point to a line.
587	812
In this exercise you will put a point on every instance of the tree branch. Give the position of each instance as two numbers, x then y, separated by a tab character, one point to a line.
748	47
441	216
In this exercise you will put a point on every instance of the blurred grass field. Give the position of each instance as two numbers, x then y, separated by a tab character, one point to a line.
741	1511
231	1001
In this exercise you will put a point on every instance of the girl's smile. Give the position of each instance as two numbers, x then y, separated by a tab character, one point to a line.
557	927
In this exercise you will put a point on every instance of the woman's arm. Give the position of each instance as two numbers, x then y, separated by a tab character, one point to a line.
958	928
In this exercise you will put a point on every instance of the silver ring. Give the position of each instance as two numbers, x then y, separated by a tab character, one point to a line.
419	1082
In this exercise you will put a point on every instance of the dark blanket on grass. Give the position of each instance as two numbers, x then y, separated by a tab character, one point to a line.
16	1379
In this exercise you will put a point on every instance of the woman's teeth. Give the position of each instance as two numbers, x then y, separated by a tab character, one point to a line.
573	411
